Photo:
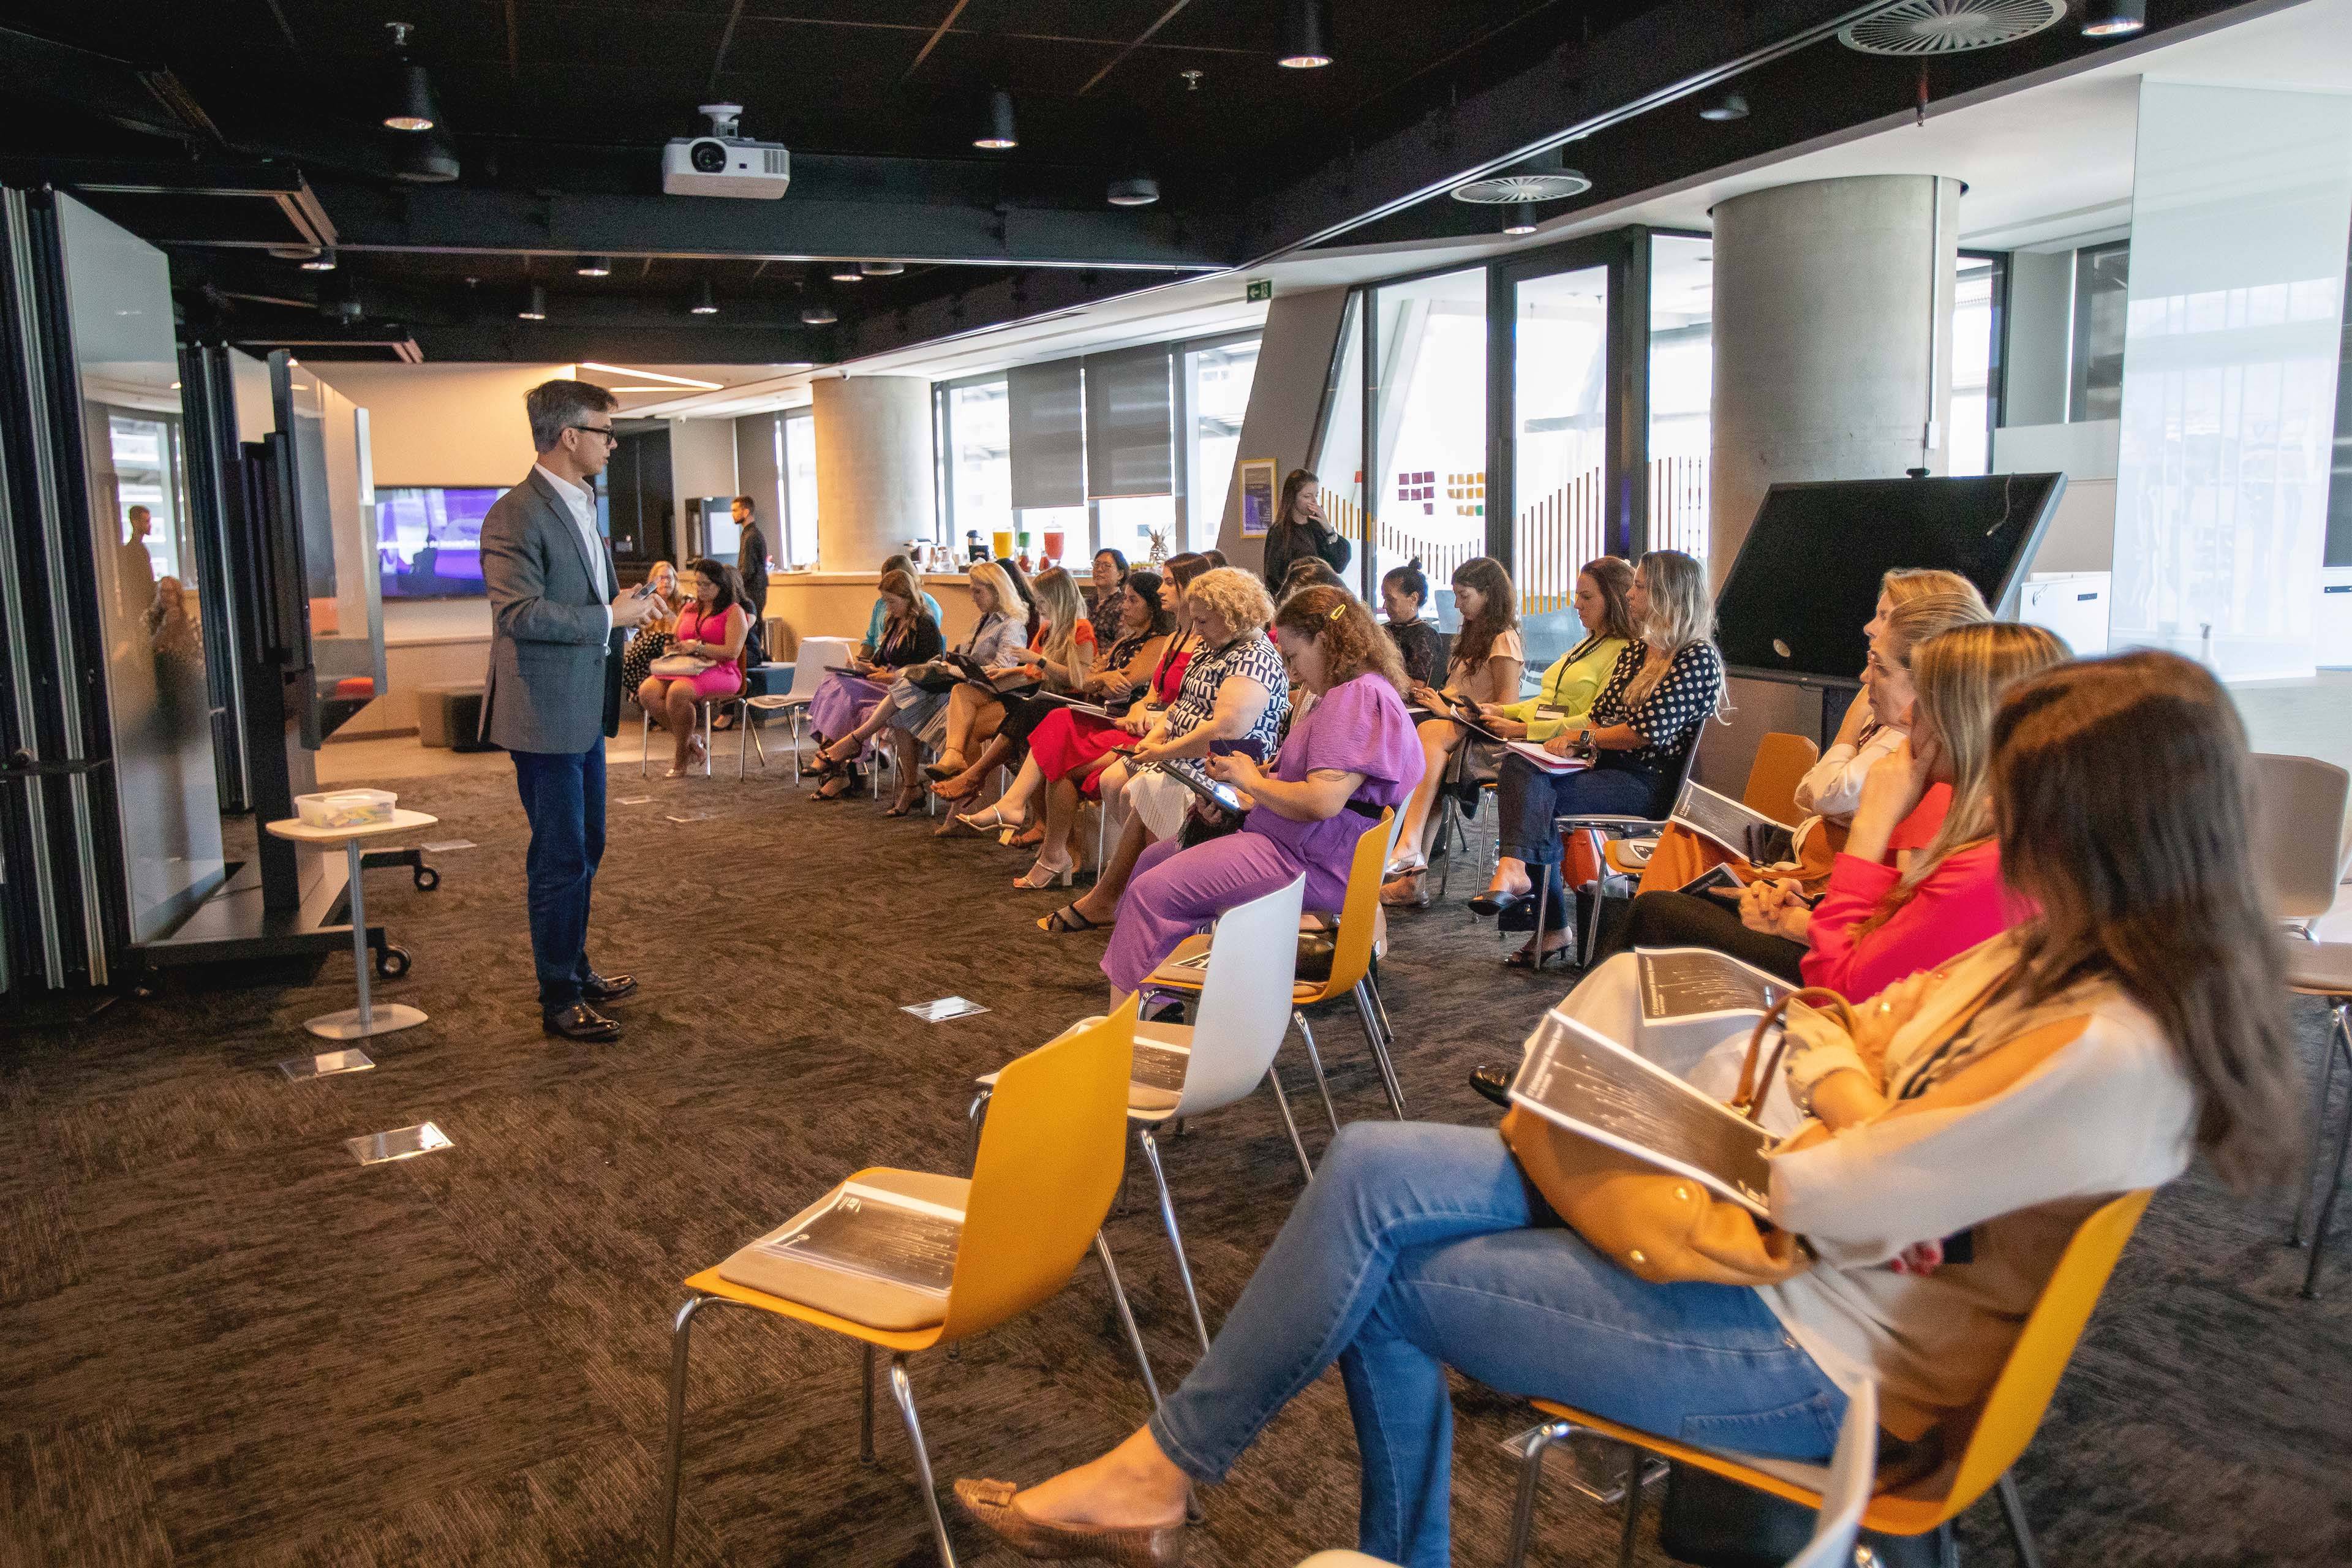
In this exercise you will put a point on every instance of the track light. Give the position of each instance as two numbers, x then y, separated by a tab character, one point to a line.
534	307
706	304
1731	106
413	107
426	160
1519	218
1134	191
325	261
1306	35
2112	18
595	267
996	132
847	272
817	314
881	268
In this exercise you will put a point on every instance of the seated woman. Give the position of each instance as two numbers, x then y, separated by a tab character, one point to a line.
1488	657
1235	697
1404	591
909	635
712	625
1349	756
1059	651
1877	921
907	706
2093	1051
1664	686
653	635
1557	709
1068	751
881	610
1109	575
1832	787
1122	676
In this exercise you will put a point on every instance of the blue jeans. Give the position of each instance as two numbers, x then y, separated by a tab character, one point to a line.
563	796
1527	800
1415	1248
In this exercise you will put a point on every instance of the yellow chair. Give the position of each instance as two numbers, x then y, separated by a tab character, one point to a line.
1782	760
1352	967
2004	1425
1049	1164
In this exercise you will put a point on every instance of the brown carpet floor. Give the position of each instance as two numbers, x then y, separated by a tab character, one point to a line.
223	1342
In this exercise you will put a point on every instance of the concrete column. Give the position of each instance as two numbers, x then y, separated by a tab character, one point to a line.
874	489
1832	338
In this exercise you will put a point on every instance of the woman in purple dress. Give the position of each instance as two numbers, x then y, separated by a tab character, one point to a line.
1351	755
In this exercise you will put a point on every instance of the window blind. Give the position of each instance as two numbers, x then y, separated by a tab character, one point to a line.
1046	423
1131	423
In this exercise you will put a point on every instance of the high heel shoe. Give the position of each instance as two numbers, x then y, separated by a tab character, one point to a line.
950	765
989	821
1492	902
1056	875
989	1504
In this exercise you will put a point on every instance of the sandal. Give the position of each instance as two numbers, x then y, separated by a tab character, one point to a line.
905	804
1066	921
851	785
1526	958
989	821
1055	875
1028	838
946	789
1409	890
950	765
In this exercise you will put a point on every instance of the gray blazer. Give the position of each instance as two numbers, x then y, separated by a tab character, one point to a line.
551	660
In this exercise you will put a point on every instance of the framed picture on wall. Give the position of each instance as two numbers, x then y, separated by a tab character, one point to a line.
1257	498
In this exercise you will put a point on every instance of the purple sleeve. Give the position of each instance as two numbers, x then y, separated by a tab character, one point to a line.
1361	727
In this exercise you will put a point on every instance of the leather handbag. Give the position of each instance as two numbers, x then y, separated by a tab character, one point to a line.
1658	1226
680	666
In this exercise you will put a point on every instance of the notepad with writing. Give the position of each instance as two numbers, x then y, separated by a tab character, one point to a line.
1680	983
867	1232
1580	1080
1720	819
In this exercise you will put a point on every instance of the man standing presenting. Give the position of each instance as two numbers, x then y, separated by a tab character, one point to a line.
551	587
751	565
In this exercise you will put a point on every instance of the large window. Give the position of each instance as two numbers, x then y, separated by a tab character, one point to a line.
1560	376
1217	380
1429	353
796	459
1681	389
1975	365
979	462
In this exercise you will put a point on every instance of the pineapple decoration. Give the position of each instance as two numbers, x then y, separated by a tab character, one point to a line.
1159	545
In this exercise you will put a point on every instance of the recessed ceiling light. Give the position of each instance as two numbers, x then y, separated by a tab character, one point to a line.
846	273
1307	36
881	268
534	308
650	375
595	267
413	107
2114	18
818	314
1731	106
325	261
996	130
705	303
1135	191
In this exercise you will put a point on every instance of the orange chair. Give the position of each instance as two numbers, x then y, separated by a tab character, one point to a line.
1782	760
2004	1425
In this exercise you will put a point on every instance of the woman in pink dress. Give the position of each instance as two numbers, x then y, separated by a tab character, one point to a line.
711	627
1354	753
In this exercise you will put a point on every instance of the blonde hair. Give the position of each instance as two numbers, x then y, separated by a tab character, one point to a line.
990	576
663	623
1238	598
1060	608
1905	583
1923	615
1682	612
1961	676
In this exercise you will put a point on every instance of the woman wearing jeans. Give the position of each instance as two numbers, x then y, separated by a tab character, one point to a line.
2087	1052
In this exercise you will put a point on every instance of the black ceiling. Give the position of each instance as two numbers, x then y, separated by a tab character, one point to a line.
227	132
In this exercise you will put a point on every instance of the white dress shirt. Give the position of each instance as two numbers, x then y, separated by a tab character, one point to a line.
582	505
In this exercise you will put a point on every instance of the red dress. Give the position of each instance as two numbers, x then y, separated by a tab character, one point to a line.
1069	742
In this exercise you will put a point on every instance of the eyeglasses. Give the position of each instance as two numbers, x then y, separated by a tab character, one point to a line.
606	431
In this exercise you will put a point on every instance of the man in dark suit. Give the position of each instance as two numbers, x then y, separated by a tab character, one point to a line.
752	565
552	669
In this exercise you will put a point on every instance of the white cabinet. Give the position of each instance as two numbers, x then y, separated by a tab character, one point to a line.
2073	604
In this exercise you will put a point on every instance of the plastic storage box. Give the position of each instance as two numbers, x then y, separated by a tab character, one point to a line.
345	807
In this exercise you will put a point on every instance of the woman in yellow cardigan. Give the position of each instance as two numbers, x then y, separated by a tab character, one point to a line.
1553	713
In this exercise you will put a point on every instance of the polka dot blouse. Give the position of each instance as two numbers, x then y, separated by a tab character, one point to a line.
1670	716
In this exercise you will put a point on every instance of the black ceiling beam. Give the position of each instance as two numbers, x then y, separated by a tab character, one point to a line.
281	184
910	227
541	342
1680	48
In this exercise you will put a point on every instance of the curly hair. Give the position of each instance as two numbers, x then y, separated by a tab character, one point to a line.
1237	597
1352	642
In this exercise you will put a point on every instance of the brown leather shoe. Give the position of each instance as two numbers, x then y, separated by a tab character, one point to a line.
990	1506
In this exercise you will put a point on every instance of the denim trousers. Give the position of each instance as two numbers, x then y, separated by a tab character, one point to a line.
1527	800
1417	1248
563	797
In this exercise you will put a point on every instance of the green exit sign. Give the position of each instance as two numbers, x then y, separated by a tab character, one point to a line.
1260	289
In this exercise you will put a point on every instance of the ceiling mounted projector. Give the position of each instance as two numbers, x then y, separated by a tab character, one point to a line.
1948	26
724	164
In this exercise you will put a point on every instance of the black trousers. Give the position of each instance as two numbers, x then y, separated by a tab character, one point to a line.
1692	919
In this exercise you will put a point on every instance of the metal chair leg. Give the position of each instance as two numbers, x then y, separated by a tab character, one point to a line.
1632	1527
710	733
2295	1236
904	1392
1175	1238
645	739
1315	1060
796	746
681	1335
865	1406
1379	1051
1533	1446
1127	1319
2013	1508
2342	1042
1372	984
977	1116
1289	1125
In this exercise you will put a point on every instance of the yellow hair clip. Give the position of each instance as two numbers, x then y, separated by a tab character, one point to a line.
1338	610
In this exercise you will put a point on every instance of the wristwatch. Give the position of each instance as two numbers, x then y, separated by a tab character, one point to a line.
1584	747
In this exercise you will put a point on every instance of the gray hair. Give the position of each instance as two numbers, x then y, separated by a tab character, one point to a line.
555	407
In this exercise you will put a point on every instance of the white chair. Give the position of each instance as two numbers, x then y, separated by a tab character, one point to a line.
742	702
809	670
1219	1060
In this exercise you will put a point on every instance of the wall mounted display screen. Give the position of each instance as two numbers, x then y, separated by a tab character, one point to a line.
429	540
1806	580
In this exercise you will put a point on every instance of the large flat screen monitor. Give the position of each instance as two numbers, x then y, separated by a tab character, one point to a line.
1805	582
429	540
